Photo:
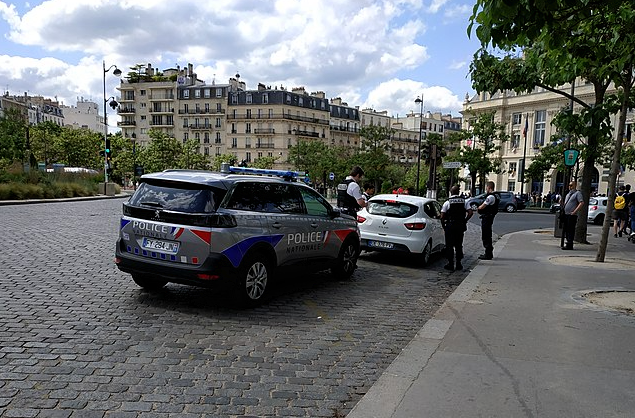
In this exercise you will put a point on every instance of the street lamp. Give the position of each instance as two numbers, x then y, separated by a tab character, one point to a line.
420	103
113	103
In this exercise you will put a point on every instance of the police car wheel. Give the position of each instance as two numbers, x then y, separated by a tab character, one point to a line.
426	253
148	282
254	279
346	262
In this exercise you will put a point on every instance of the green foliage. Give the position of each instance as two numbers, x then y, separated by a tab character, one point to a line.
374	137
265	162
13	143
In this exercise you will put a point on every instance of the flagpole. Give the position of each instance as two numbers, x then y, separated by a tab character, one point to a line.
522	173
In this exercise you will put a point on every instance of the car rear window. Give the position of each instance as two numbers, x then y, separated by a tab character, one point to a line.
187	198
391	208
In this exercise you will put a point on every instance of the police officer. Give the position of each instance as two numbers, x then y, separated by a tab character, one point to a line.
455	213
349	196
488	210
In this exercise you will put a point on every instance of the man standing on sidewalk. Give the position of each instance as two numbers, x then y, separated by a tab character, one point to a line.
455	213
488	210
349	195
573	201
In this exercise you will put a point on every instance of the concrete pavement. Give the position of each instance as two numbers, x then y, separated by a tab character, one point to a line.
520	337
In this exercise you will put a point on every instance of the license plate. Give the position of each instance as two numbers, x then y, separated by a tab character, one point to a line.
168	247
380	244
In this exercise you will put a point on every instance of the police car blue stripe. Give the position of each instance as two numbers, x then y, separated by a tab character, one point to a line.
236	252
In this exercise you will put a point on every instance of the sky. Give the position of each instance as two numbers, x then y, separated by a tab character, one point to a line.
378	54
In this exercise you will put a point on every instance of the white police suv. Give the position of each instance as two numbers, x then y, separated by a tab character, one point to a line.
231	229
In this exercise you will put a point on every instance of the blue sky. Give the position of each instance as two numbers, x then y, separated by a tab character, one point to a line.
378	54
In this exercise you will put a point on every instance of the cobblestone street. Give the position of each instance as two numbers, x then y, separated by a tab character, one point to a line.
79	339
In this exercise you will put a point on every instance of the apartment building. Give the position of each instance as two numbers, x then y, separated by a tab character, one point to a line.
36	109
536	110
84	115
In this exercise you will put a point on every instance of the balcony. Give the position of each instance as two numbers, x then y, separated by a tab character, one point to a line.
200	126
162	124
126	123
264	131
161	96
124	110
306	133
159	110
265	145
201	112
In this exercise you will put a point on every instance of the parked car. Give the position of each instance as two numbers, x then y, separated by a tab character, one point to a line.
597	209
231	230
402	224
508	201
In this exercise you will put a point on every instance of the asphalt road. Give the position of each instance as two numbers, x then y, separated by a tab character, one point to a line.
79	339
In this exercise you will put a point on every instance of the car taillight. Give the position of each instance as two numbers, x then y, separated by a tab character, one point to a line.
361	219
415	226
593	208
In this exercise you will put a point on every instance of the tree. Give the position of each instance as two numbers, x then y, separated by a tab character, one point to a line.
561	41
487	137
13	134
265	162
162	153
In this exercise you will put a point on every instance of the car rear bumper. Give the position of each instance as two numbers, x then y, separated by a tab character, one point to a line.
212	272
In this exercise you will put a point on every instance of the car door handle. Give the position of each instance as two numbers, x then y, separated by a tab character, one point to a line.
314	225
276	225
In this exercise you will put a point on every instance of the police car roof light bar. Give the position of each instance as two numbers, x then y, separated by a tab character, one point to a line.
287	174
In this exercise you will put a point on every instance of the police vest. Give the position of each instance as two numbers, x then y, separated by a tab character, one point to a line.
456	213
491	209
345	200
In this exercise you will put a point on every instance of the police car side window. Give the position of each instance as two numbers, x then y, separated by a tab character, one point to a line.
313	203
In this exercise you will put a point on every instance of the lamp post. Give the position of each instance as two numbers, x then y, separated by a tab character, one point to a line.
420	103
116	72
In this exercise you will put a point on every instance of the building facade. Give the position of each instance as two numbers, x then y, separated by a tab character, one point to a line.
528	122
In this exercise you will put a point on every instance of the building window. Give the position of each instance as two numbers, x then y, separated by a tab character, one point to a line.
301	101
515	142
512	169
197	137
288	99
259	154
206	107
218	124
197	93
206	151
186	94
249	100
217	140
219	92
219	107
206	94
539	128
248	113
206	137
271	114
516	118
186	136
234	142
234	98
248	128
248	156
511	186
142	92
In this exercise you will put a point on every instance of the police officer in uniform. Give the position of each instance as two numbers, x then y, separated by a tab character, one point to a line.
488	210
455	213
349	195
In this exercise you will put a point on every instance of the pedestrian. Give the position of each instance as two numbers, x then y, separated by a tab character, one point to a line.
369	191
455	213
349	195
627	197
620	211
631	205
487	211
573	201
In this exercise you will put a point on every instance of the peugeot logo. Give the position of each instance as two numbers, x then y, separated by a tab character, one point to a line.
157	214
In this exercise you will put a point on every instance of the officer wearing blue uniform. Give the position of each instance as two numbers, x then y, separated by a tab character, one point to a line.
455	213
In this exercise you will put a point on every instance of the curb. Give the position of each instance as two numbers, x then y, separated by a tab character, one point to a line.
67	199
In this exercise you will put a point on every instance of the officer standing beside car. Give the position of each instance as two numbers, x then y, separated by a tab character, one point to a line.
455	213
349	195
487	211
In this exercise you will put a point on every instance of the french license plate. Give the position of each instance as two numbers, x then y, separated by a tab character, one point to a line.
380	244
168	247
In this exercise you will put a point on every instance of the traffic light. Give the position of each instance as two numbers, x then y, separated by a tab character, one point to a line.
108	150
425	153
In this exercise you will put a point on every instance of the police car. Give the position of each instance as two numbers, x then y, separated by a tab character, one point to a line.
231	229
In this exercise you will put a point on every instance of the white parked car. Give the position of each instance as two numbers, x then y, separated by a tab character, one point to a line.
402	224
597	209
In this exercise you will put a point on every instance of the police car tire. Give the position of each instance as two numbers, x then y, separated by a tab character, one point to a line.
346	262
148	282
254	279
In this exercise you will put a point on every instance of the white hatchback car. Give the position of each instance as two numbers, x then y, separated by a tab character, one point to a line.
402	223
597	209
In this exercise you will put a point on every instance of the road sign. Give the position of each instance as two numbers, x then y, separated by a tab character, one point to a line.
570	157
331	176
452	164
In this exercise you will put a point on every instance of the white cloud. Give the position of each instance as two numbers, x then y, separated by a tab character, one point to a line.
338	46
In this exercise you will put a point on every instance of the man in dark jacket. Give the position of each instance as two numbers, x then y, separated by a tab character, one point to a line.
487	211
455	213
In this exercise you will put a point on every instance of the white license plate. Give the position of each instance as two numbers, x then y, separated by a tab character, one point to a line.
380	244
168	247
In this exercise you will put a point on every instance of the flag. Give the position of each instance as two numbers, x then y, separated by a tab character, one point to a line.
526	127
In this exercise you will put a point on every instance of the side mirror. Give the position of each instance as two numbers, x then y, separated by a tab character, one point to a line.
335	213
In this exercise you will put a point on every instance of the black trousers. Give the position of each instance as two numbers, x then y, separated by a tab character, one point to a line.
486	234
454	244
568	228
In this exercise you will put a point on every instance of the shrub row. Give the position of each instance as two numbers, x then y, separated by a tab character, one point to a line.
52	190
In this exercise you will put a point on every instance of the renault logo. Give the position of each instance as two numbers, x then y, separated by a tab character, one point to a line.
383	222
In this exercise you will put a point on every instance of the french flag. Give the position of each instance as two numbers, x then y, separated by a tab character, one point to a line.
526	127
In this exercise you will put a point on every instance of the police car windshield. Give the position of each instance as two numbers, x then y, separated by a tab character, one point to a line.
182	199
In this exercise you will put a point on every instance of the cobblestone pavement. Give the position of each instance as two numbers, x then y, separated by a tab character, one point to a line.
79	339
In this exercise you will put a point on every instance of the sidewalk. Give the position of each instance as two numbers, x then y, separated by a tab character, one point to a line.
518	338
123	194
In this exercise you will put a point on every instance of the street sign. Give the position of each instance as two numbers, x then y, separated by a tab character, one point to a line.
570	157
331	176
452	164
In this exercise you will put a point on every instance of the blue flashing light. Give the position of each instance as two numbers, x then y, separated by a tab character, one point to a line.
288	174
